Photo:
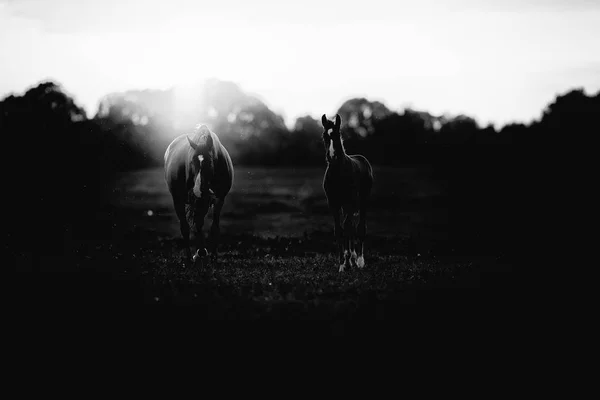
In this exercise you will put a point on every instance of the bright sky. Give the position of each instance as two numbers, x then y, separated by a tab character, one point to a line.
497	61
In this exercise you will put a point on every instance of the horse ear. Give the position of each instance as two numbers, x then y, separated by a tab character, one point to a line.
324	121
338	121
194	145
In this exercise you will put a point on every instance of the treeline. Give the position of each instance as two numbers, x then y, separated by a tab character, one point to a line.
132	129
59	163
255	135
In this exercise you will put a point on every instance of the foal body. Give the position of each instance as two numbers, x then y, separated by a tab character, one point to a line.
347	184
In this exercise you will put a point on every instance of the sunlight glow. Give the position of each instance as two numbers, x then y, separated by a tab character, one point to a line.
492	62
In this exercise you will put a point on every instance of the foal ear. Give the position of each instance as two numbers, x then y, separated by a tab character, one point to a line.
324	121
338	121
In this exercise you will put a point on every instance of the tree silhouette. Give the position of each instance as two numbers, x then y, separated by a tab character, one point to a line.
461	130
573	115
305	146
360	116
136	126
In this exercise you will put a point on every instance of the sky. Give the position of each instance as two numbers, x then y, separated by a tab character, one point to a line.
498	62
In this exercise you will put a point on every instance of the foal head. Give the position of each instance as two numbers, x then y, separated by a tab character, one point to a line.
332	139
202	161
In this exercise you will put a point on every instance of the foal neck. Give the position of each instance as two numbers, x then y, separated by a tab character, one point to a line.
340	166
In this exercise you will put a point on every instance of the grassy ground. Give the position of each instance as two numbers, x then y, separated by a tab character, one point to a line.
290	202
276	254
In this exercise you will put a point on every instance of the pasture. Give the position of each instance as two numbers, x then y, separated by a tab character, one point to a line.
290	203
277	251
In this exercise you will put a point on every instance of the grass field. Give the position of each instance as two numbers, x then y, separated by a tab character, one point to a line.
291	202
277	251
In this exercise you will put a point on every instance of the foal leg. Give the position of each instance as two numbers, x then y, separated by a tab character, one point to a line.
361	233
339	236
353	241
215	230
185	233
348	240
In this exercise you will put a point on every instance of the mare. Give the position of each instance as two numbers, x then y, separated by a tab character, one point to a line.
199	174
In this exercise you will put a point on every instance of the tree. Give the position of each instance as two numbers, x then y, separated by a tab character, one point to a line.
45	107
572	116
359	116
305	146
460	130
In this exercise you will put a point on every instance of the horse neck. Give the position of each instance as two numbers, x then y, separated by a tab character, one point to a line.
216	153
342	167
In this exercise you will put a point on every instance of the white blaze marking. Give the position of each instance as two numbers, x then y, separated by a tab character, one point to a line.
197	185
198	182
331	149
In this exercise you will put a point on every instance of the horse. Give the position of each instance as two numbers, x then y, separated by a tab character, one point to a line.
347	184
199	175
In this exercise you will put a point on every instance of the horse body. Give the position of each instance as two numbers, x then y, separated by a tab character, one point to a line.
199	174
347	184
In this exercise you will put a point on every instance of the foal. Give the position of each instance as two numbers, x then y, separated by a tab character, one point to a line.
347	184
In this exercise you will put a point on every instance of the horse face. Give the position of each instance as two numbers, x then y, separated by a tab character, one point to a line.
332	139
203	172
202	167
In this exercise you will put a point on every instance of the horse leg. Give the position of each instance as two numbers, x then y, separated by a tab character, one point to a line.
215	231
185	233
201	252
339	236
353	240
361	234
348	238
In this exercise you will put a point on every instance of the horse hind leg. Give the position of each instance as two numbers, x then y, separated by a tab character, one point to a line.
361	233
184	227
354	244
215	230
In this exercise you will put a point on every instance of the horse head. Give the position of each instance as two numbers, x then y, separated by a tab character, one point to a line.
201	162
332	139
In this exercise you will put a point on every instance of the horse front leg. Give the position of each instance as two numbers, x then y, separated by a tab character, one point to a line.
349	253
185	233
361	234
361	231
339	235
201	251
215	230
354	242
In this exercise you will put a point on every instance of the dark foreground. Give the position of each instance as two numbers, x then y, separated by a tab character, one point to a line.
271	278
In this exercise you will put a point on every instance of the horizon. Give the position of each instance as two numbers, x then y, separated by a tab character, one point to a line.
496	76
